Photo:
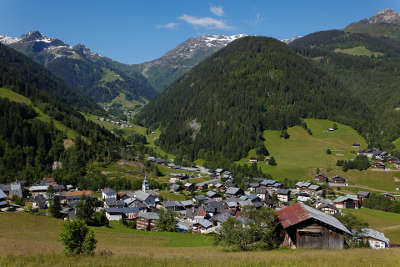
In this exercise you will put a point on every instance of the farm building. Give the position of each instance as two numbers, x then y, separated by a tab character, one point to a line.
146	221
306	227
347	202
376	240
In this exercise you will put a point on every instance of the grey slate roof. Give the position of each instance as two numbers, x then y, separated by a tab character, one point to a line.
363	193
149	215
186	203
368	232
343	198
122	210
2	194
283	191
313	187
205	223
232	190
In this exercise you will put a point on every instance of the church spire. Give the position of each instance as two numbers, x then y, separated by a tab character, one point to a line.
145	185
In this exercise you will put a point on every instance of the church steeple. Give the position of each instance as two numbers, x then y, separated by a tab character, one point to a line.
145	185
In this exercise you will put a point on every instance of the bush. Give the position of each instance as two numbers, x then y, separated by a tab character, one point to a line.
78	238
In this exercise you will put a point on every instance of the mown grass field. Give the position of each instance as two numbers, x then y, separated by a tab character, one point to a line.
299	156
13	96
387	222
28	240
359	51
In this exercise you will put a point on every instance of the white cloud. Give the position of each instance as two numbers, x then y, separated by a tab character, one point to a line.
206	22
170	25
217	10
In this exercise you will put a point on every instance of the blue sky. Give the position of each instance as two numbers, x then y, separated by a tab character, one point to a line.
137	31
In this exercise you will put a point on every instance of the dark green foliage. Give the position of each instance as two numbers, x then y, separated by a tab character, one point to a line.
28	146
261	150
78	238
86	211
259	230
328	151
361	163
221	108
166	221
373	80
55	207
380	202
352	222
285	134
272	161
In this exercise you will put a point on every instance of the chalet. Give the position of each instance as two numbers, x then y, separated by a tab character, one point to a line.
329	209
3	199
356	145
347	202
221	218
313	189
146	221
176	188
77	195
283	195
393	160
362	195
322	178
306	227
187	203
379	165
183	227
172	205
337	179
188	186
108	193
262	192
113	203
216	207
38	189
303	196
233	191
16	189
201	226
302	186
201	186
366	152
200	198
218	172
389	196
376	240
212	194
253	160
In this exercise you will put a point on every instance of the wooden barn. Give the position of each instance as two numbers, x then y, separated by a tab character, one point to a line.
306	227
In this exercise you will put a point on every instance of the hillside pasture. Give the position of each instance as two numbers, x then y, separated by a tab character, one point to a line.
28	240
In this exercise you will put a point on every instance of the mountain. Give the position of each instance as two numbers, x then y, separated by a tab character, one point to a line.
385	23
90	73
35	120
171	66
220	108
368	67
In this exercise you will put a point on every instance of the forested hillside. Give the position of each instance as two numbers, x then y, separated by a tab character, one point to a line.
28	145
373	78
221	108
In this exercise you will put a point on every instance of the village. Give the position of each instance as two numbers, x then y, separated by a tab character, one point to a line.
306	212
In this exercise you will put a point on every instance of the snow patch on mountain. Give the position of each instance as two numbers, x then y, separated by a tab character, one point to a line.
4	39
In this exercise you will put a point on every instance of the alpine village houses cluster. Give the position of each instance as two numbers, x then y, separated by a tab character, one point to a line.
307	222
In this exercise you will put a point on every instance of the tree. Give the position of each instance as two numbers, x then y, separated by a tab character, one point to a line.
166	221
328	151
272	161
78	238
257	229
55	207
352	222
85	210
285	134
335	127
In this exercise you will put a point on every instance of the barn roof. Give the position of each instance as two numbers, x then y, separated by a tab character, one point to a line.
300	212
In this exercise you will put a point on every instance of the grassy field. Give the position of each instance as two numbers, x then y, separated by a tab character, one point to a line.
387	222
13	96
28	240
359	51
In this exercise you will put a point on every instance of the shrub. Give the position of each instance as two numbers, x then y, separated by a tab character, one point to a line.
78	238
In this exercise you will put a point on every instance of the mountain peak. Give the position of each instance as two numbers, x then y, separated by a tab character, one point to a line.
387	15
33	36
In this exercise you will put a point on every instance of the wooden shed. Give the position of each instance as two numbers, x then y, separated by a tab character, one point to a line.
306	227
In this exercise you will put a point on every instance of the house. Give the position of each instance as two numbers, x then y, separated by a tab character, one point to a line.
322	178
233	191
146	221
175	188
3	199
113	203
145	198
116	214
356	145
303	196
337	179
376	240
283	195
201	226
187	203
40	202
379	165
389	196
77	195
306	227
200	198
253	160
328	209
172	205
38	189
220	218
201	186
262	192
188	186
108	193
362	195
16	189
347	202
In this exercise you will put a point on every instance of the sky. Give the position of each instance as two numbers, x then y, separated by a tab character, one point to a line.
135	31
